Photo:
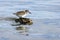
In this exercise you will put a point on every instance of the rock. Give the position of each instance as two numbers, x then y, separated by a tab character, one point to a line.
24	21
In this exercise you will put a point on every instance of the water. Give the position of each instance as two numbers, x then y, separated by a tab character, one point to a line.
45	16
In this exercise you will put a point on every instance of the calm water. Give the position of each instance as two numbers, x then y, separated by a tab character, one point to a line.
45	16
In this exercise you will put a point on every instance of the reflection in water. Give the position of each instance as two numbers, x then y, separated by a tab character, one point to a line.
23	30
23	21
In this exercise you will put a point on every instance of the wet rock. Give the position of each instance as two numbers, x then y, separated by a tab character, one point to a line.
24	21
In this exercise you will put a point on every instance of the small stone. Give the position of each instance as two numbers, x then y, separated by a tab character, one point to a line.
25	21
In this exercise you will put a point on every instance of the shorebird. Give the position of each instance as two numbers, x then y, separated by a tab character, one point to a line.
22	13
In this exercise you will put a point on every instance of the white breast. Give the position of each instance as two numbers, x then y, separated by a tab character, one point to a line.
22	15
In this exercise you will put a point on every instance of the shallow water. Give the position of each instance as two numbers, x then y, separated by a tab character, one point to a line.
45	16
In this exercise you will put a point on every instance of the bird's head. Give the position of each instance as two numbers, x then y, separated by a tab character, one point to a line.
28	11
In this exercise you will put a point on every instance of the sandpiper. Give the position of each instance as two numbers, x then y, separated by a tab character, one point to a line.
22	13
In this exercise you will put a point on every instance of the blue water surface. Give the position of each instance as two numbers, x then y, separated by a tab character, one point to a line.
45	13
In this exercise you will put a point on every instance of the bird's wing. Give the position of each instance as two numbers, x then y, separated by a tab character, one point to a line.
21	12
